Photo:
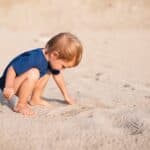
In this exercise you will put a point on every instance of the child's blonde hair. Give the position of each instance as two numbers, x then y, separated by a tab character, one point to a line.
67	45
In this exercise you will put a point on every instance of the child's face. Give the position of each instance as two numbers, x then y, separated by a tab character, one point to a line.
59	64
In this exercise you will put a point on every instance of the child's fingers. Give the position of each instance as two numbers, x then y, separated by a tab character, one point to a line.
11	95
8	93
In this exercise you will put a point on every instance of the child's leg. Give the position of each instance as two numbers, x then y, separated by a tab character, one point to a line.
37	92
24	86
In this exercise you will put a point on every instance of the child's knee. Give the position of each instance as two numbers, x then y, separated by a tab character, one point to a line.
33	74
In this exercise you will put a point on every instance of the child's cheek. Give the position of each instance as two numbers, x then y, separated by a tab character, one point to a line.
58	67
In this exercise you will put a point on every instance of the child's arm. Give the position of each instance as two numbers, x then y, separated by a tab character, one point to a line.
9	83
61	84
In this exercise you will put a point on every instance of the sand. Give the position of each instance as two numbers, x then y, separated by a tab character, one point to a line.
111	85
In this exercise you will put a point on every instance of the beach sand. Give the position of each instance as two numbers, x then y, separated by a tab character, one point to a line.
111	85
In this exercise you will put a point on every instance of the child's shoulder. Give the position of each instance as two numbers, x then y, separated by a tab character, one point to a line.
32	52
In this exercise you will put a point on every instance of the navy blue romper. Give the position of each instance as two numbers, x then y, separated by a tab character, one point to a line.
27	60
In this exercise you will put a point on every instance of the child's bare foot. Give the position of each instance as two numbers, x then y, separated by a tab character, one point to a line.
38	101
23	109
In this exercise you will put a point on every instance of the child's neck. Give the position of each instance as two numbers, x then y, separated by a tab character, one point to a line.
45	54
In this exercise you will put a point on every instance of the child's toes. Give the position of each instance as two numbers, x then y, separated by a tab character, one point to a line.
28	112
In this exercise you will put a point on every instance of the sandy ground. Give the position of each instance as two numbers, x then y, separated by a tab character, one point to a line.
111	85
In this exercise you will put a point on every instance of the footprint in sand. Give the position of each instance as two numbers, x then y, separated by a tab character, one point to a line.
75	111
128	86
84	108
147	97
129	122
69	111
97	76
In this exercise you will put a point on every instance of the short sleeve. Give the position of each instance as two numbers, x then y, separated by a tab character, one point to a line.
22	64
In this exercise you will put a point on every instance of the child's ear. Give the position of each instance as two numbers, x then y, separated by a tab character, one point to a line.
55	54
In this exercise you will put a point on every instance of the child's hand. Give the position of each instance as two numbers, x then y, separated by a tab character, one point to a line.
70	101
8	93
